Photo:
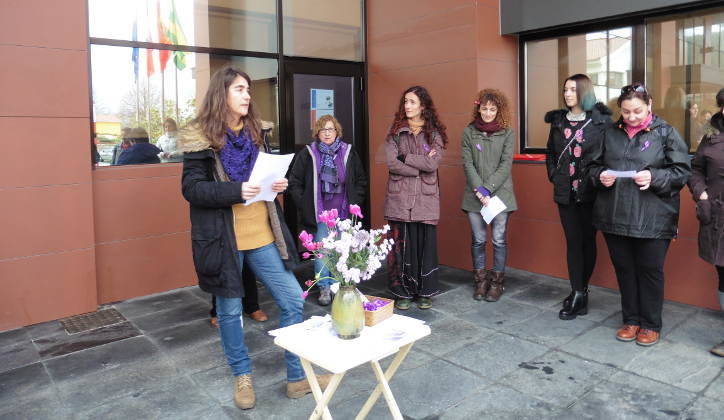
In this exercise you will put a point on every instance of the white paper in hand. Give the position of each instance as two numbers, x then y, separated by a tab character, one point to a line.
494	207
267	169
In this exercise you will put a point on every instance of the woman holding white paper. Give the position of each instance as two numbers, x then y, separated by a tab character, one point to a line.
575	135
221	146
638	215
488	143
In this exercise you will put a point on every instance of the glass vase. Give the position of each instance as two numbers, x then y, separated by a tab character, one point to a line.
348	317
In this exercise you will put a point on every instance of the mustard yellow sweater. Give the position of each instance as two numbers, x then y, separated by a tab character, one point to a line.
251	226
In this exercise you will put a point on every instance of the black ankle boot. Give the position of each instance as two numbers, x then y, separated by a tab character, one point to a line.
578	306
567	301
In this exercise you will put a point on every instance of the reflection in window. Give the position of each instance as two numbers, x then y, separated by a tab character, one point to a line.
606	57
685	69
135	91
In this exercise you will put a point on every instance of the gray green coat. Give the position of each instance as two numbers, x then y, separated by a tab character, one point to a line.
487	162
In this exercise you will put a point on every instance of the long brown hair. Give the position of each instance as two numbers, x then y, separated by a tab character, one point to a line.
429	115
211	116
498	99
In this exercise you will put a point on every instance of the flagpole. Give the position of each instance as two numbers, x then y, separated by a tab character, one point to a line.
175	73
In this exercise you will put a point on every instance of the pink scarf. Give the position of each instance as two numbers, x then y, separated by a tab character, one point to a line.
631	130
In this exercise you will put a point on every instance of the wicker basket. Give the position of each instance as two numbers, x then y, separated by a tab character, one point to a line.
381	314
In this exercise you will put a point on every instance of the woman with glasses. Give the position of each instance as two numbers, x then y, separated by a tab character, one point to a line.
575	135
639	169
413	149
327	174
707	189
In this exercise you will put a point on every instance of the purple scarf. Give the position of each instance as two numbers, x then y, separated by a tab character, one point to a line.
238	155
328	169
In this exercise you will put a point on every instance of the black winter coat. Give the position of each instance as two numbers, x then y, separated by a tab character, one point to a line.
623	209
303	179
557	159
707	174
213	242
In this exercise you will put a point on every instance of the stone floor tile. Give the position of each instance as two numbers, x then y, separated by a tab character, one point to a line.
145	305
672	315
556	377
430	316
454	277
704	330
186	335
498	315
499	402
41	407
178	399
677	364
602	303
455	302
189	360
600	345
16	355
451	334
716	388
704	409
14	337
31	381
495	355
176	316
46	329
543	295
59	345
547	329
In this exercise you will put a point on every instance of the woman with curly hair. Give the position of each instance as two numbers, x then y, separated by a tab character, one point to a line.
413	150
488	143
575	134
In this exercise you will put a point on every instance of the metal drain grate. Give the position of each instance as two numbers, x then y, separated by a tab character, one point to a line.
92	320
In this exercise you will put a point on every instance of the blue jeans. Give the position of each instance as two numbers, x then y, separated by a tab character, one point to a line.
322	232
498	227
281	283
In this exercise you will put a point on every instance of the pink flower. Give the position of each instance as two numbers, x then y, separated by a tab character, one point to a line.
577	151
306	255
306	237
571	170
309	283
567	132
575	184
305	294
355	210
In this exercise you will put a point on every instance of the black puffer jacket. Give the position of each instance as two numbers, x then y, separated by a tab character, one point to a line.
213	241
623	209
557	161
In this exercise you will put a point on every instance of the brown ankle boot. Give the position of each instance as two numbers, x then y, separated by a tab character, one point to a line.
481	281
497	281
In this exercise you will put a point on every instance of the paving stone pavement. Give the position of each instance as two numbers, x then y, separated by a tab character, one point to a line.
513	359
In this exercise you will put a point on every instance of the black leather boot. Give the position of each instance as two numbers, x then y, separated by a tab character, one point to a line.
567	301
578	306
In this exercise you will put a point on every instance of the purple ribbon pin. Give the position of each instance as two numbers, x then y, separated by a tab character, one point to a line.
426	147
479	147
646	145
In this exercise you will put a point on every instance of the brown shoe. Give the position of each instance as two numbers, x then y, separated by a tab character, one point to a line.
258	316
302	388
647	337
497	282
215	322
718	349
627	332
481	281
244	397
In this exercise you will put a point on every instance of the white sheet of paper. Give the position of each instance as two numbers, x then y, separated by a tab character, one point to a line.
494	207
267	169
621	174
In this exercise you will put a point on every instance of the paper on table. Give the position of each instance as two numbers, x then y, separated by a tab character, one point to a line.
621	174
494	207
267	169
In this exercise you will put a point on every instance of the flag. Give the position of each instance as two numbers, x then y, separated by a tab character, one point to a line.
134	52
163	55
176	35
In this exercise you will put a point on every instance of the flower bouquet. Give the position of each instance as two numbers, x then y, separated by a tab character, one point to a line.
351	254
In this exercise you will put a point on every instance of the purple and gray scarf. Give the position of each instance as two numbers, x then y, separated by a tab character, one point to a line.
238	155
328	170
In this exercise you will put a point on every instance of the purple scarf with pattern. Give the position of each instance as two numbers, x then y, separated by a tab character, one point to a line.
238	155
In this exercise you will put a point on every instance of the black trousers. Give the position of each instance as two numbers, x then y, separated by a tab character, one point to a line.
250	301
720	272
577	222
639	265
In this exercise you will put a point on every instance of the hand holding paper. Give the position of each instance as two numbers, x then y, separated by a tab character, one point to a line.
268	176
494	207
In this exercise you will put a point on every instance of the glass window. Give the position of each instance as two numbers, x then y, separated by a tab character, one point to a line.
606	57
130	85
324	29
685	69
240	25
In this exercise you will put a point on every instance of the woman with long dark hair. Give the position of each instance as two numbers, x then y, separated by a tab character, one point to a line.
221	146
488	144
639	169
575	135
707	189
413	150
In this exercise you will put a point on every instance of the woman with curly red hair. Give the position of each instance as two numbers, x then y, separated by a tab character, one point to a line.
413	150
488	143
